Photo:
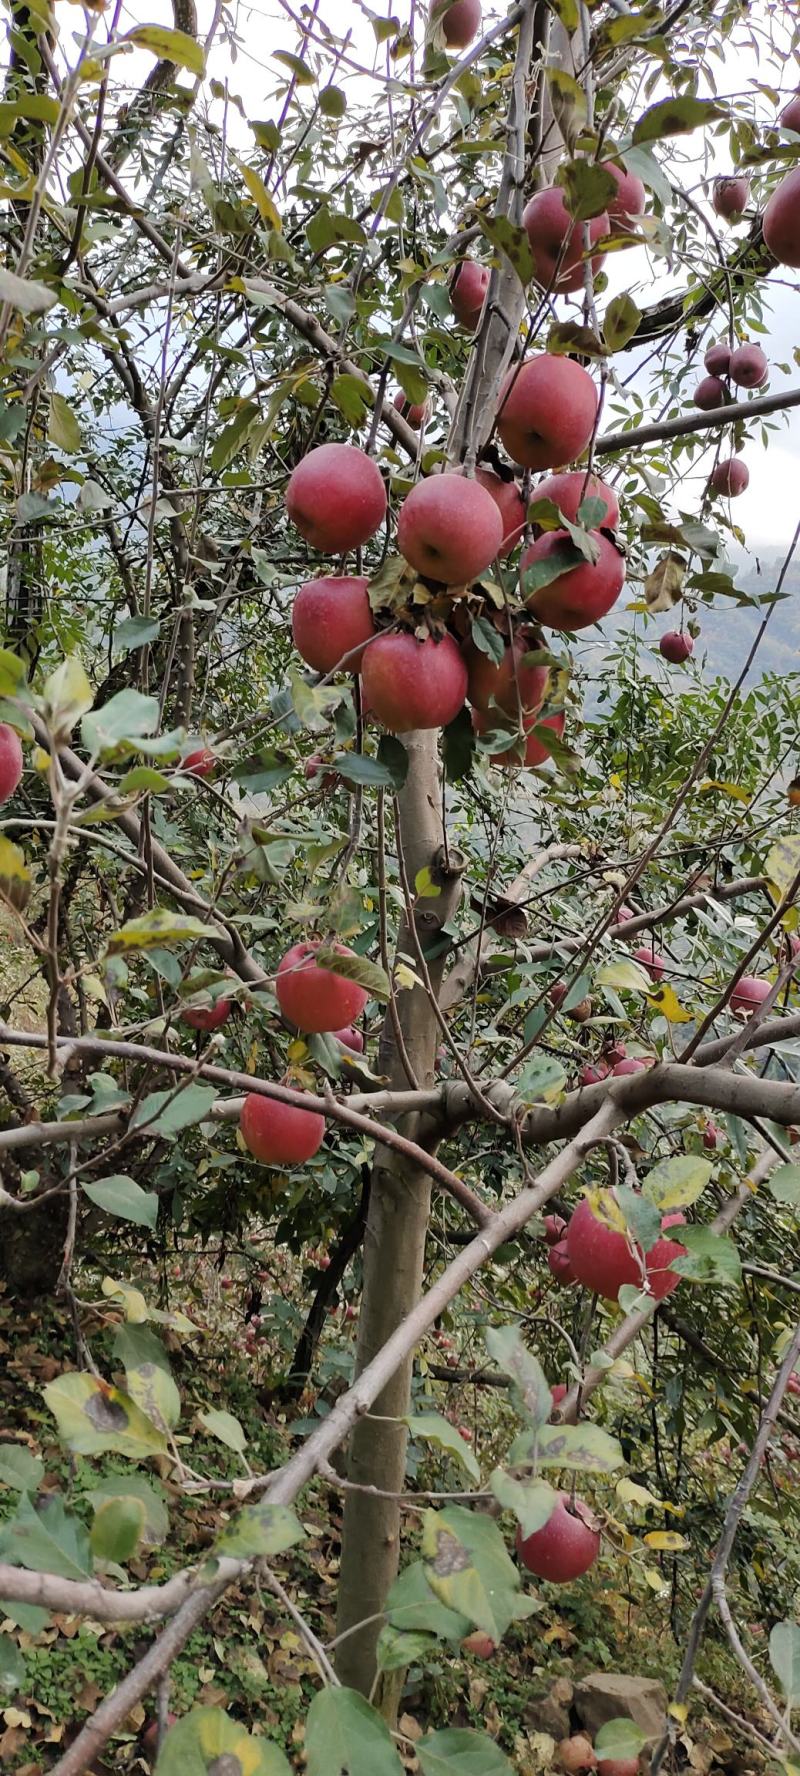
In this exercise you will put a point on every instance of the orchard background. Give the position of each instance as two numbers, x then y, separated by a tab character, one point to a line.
399	863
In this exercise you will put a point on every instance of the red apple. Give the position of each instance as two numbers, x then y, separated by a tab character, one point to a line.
547	411
730	477
336	498
311	996
576	1755
631	195
480	1645
535	752
676	646
10	762
559	1264
616	1053
566	1546
593	1073
624	913
315	772
210	1017
651	960
711	1136
513	687
629	1064
350	1038
717	359
603	1259
513	510
780	222
468	288
450	529
559	1392
413	411
730	197
200	763
749	366
332	623
710	393
749	993
580	595
280	1134
557	240
414	684
793	1384
618	1767
568	492
555	1228
790	115
461	21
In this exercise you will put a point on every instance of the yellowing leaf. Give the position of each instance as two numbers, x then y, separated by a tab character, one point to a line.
630	1494
625	976
261	197
782	865
666	1001
667	1541
63	428
15	877
655	1580
679	1711
731	789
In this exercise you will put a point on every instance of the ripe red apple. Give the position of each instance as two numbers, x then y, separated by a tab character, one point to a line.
780	222
676	646
314	772
414	684
629	1064
324	1261
559	1392
790	115
582	594
749	366
616	1053
559	1265
535	752
749	993
468	288
603	1259
651	960
280	1134
480	1645
208	1017
618	1767
793	1384
718	358
200	763
450	529
730	477
730	197
630	197
576	1755
710	393
555	1228
336	498
547	411
10	762
413	411
568	492
624	913
350	1038
332	622
566	1546
711	1136
593	1073
512	686
311	996
558	993
557	240
513	510
461	20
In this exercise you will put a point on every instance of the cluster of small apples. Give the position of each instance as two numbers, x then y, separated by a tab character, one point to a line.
576	1754
746	366
316	1001
589	1250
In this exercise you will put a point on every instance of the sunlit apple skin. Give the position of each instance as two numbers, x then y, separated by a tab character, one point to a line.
559	1265
676	646
748	367
350	1038
749	993
468	288
10	762
710	393
547	411
332	622
512	507
628	1064
730	197
603	1261
790	115
581	595
730	477
462	21
513	687
569	491
565	1547
414	684
651	960
717	359
449	529
280	1134
781	220
413	412
535	752
631	194
210	1017
557	240
311	996
336	498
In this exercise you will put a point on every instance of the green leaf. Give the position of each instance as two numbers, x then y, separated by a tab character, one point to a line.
675	117
620	321
469	1568
117	1530
541	1080
488	639
357	968
167	1112
262	1529
571	336
624	976
458	746
710	1258
134	632
531	1390
18	1468
156	928
360	768
677	1183
170	46
395	1650
12	1668
47	1540
619	1738
643	163
233	436
344	1734
351	397
67	695
136	1488
63	428
584	1447
783	863
332	101
424	886
299	69
122	1196
141	778
393	756
24	294
512	241
784	1185
641	1217
459	1751
225	1427
124	719
95	1419
784	1654
432	1427
26	1616
148	1374
532	1501
207	1743
588	188
551	567
412	1607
